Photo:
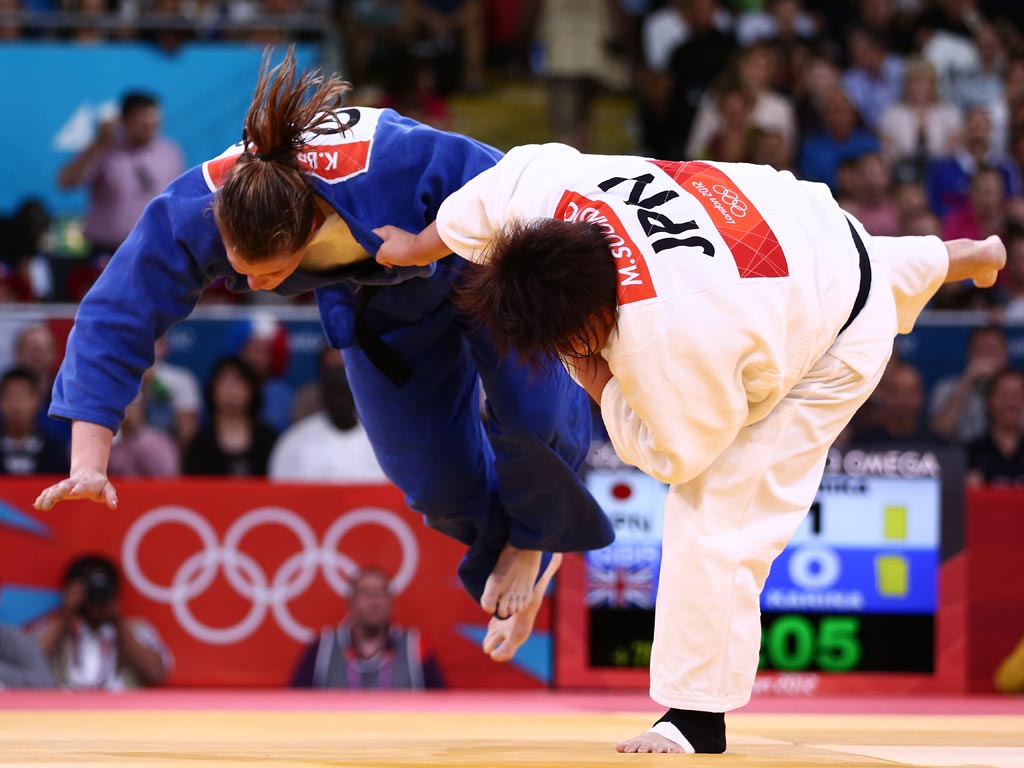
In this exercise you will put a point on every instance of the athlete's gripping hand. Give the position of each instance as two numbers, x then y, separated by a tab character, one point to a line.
404	249
88	484
397	250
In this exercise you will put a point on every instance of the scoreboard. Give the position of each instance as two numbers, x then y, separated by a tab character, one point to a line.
855	590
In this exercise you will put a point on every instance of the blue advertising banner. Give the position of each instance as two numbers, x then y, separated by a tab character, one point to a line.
55	94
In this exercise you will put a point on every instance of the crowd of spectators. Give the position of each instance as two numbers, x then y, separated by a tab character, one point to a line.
170	429
912	111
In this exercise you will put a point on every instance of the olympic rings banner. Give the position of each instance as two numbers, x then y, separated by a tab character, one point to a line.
238	576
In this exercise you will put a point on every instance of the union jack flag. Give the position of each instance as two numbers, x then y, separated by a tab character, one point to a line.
625	587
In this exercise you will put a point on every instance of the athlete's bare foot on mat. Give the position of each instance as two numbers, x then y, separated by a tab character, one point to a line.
509	588
979	260
504	636
648	741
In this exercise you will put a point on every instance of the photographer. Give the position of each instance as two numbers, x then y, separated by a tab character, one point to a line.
90	644
127	164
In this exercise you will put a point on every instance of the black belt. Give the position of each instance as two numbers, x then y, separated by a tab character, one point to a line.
865	277
383	357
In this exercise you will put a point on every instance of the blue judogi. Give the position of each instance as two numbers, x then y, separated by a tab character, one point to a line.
511	478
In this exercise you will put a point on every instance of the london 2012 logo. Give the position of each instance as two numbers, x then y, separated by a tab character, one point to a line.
730	198
266	593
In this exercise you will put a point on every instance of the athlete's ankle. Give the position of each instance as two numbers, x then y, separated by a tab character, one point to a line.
703	732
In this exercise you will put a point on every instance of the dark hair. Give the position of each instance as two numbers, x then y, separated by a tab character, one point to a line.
1006	373
19	374
265	207
985	330
370	572
543	285
246	372
81	567
133	101
872	36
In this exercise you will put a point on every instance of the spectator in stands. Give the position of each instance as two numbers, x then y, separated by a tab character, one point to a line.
985	212
920	127
367	650
733	133
875	205
126	166
9	288
1013	286
912	202
23	251
453	32
693	67
172	398
981	82
412	91
24	448
36	351
949	179
308	399
234	441
374	36
90	643
814	83
997	457
843	138
778	21
10	29
141	450
576	37
958	402
874	80
262	342
329	446
747	87
668	27
22	664
897	408
770	148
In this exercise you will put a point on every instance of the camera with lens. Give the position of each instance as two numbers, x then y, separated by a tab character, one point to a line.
100	589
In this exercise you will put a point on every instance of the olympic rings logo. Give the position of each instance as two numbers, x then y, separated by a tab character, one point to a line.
248	578
737	205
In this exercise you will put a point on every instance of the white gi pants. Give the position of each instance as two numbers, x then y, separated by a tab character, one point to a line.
724	528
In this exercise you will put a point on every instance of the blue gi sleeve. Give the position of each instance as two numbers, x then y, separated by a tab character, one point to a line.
414	168
151	283
454	160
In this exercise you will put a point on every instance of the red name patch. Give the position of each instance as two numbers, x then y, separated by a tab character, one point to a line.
634	277
753	244
332	163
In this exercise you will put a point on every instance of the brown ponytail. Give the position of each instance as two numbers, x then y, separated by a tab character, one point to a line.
265	207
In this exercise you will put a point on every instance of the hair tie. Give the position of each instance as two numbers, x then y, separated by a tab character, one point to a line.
265	156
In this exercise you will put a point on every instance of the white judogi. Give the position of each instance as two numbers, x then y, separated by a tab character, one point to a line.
730	378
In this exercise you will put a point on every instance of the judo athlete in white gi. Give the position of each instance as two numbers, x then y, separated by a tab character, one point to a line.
730	320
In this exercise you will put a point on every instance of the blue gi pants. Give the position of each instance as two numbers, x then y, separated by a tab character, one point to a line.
511	477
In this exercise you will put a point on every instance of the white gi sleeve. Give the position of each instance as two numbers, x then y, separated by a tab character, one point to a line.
469	219
672	418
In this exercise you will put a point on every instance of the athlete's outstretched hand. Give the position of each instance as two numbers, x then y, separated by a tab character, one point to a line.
83	484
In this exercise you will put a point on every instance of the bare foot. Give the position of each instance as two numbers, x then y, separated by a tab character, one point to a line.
979	260
648	741
504	636
509	588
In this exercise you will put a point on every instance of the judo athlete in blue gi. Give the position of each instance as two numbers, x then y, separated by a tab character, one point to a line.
292	208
